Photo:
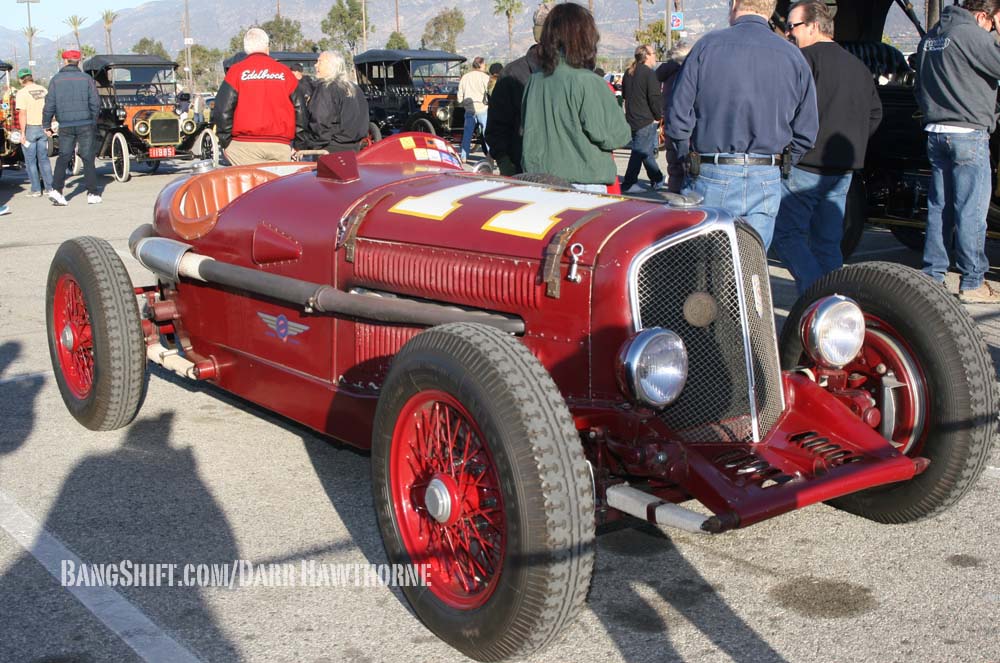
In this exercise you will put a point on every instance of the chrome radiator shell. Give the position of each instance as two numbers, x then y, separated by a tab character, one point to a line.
717	272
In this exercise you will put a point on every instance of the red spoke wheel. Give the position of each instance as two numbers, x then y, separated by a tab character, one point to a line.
478	473
95	334
931	375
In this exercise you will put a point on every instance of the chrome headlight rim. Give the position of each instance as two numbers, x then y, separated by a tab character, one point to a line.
142	127
815	322
443	113
633	351
189	126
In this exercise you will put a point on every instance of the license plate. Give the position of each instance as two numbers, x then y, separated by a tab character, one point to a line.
161	152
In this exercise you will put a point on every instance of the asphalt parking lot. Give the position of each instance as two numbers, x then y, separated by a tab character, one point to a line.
203	478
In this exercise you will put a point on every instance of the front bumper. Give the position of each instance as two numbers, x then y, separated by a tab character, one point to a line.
817	451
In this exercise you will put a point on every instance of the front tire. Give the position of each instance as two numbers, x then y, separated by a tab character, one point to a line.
95	334
946	406
208	146
121	160
478	471
424	125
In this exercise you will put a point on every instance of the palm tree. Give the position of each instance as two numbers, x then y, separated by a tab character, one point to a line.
108	16
75	23
30	34
510	9
639	4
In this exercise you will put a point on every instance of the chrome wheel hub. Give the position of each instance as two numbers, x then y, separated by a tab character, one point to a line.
66	337
438	500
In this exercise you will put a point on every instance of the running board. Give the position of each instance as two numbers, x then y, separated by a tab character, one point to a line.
651	508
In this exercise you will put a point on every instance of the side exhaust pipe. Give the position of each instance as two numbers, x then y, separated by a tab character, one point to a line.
172	260
650	508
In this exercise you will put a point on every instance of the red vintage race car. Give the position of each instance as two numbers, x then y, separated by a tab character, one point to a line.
524	360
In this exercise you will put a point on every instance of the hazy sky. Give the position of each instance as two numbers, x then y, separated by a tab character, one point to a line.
48	15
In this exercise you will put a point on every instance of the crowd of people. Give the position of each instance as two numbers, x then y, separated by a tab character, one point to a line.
769	127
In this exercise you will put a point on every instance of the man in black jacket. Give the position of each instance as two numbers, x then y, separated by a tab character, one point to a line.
503	116
72	101
810	222
641	92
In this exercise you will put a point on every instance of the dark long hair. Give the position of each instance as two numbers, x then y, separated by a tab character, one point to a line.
569	33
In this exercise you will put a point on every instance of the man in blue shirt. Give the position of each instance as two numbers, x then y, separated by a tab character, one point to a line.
744	96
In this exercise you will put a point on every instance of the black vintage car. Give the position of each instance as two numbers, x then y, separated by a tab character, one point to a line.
892	189
412	90
305	58
139	117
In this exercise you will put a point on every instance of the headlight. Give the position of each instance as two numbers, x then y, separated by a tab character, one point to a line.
443	113
832	331
188	127
121	113
142	127
653	366
15	136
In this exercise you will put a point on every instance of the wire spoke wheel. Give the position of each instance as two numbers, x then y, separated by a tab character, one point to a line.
447	497
120	158
74	338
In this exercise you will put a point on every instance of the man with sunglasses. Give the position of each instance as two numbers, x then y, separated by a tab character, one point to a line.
744	107
810	222
958	65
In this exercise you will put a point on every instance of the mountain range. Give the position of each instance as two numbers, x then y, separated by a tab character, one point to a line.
214	22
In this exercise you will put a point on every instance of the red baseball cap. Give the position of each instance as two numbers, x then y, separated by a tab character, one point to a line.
71	55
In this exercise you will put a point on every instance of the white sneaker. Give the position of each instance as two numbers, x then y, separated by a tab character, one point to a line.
57	198
34	194
93	199
659	185
635	188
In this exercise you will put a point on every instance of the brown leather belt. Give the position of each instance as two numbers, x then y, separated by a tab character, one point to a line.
741	160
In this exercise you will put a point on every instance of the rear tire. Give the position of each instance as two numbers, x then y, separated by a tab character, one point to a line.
467	403
424	125
95	334
929	343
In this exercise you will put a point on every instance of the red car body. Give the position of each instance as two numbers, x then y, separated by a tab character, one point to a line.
521	357
434	232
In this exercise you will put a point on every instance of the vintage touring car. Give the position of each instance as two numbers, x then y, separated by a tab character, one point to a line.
138	117
412	90
522	357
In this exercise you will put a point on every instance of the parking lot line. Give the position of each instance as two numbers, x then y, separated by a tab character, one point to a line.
124	619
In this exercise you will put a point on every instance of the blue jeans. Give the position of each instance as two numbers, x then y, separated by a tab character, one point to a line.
471	120
957	202
644	145
71	140
810	224
36	158
752	192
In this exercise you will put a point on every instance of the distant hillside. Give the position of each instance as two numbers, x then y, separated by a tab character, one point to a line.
213	22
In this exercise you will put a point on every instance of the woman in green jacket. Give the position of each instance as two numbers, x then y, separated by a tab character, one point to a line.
571	121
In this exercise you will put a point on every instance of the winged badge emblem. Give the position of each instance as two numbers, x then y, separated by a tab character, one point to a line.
281	327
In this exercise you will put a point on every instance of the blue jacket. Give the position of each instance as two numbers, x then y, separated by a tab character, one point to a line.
746	90
72	99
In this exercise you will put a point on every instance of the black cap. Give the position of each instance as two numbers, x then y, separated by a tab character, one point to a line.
296	66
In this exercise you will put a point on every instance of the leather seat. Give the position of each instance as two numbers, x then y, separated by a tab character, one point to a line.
195	207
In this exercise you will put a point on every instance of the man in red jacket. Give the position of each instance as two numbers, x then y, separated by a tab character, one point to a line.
258	110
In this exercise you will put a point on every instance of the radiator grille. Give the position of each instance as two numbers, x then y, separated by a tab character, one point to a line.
715	404
164	131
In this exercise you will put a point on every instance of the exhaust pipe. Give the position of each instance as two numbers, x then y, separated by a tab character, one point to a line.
650	508
172	260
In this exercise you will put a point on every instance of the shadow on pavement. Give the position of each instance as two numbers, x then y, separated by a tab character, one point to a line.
142	502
